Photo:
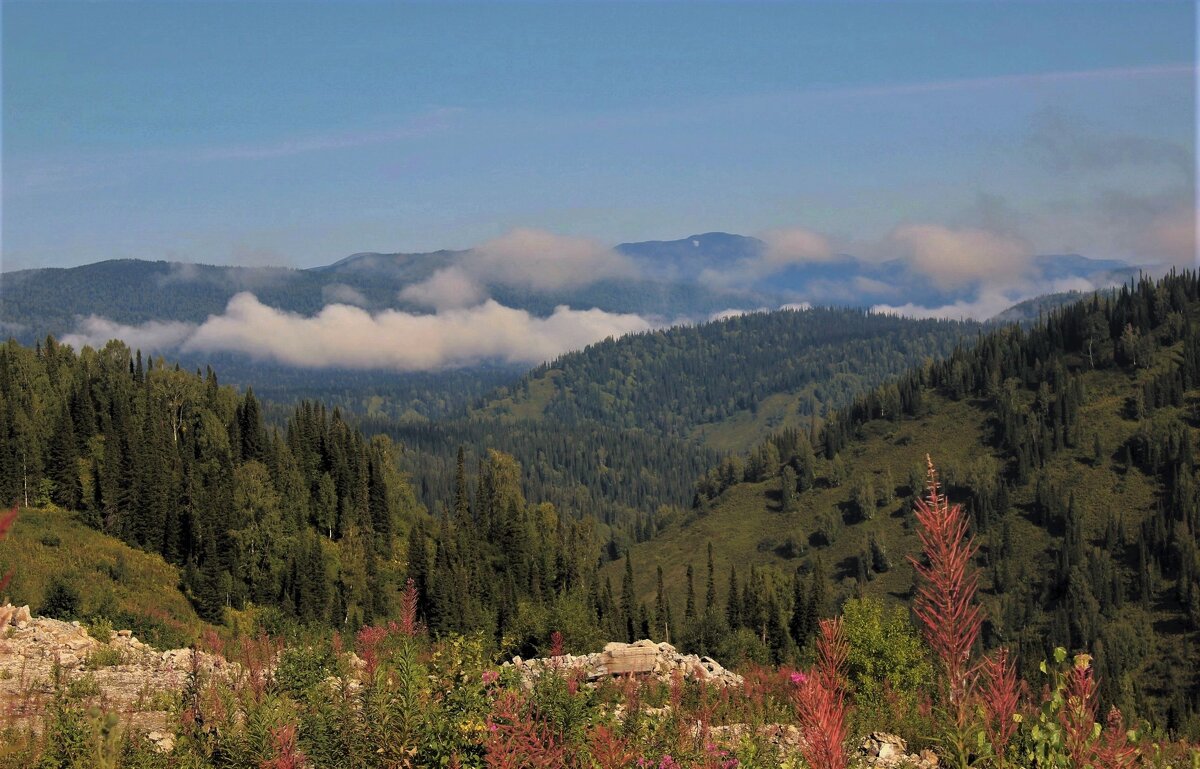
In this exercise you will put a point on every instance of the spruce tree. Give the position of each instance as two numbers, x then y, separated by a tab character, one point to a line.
689	612
629	601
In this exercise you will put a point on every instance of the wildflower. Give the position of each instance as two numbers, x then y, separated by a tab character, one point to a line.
490	677
798	678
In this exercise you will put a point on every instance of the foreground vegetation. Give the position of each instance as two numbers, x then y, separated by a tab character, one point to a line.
403	699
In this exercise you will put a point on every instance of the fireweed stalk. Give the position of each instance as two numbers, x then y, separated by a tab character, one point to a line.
945	605
821	701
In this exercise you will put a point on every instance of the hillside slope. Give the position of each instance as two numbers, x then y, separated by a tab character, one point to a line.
711	381
112	581
1070	446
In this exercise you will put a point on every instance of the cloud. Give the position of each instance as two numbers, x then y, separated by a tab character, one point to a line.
1155	229
340	293
524	258
544	261
343	336
795	246
234	278
985	306
782	248
154	336
448	288
956	258
990	302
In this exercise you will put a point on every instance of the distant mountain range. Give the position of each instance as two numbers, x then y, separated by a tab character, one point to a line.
687	279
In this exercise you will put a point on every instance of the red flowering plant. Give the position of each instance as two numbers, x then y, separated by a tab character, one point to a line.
821	706
949	616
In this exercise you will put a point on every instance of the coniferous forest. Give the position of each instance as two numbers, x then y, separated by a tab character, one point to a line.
311	526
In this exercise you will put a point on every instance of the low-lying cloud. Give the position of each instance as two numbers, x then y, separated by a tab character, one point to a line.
154	336
781	249
525	258
344	336
954	258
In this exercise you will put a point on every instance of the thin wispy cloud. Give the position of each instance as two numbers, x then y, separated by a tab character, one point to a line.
1023	79
420	126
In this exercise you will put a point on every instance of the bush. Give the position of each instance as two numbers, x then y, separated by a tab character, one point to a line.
61	601
303	667
887	662
104	657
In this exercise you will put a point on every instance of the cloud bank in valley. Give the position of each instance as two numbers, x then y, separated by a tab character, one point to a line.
344	336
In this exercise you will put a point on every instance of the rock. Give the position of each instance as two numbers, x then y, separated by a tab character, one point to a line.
21	616
641	658
125	633
163	741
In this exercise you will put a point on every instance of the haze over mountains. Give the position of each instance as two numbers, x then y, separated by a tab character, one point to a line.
523	298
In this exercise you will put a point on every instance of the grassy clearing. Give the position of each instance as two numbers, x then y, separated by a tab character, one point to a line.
130	588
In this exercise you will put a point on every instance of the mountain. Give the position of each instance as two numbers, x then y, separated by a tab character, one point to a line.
1070	445
690	279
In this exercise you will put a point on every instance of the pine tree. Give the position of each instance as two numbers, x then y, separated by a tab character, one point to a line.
661	624
64	461
798	626
710	592
689	612
462	505
733	607
787	489
629	601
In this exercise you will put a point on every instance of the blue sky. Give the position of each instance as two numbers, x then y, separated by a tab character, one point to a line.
258	133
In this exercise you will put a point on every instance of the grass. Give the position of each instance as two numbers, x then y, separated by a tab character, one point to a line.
747	516
128	587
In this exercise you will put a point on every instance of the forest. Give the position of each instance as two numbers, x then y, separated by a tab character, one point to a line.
312	526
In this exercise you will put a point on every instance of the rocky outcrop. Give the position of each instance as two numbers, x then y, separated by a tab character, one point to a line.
883	750
641	658
122	674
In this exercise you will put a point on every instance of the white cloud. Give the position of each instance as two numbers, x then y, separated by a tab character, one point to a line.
781	249
544	261
343	336
154	336
991	302
795	246
446	289
522	258
988	303
340	293
955	258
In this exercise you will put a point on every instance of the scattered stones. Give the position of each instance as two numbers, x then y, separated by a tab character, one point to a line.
643	658
881	749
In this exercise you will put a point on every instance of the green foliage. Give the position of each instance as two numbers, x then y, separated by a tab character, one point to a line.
61	600
888	664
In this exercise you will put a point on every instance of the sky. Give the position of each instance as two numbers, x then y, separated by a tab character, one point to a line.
949	142
296	134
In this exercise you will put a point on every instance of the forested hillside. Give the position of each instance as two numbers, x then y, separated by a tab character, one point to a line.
304	518
681	379
619	431
1071	446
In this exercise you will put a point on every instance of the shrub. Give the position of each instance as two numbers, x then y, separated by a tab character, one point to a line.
100	629
61	600
104	657
886	662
